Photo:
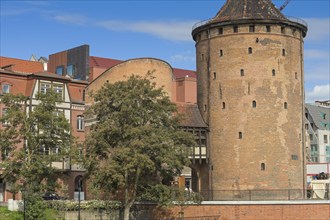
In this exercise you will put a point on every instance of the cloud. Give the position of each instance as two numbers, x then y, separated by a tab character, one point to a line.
15	12
318	93
186	56
71	19
318	29
171	30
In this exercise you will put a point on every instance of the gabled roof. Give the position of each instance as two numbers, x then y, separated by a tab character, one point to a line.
181	73
21	65
191	115
320	116
102	62
248	9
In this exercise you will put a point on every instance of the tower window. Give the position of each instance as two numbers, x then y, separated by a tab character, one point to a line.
285	105
220	53
220	31
296	75
240	135
268	29
223	105
263	166
273	72
83	95
5	88
235	29
207	34
202	57
283	52
214	75
80	123
254	104
199	37
242	72
250	50
283	30
251	28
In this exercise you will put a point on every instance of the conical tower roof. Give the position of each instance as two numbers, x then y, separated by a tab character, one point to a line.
248	9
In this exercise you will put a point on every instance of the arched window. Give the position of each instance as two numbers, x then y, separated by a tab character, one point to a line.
254	104
263	166
283	52
242	72
78	184
250	50
80	123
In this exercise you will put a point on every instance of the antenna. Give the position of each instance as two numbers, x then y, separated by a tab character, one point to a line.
284	5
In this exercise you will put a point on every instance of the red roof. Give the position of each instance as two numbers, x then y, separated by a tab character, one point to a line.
181	73
102	62
21	65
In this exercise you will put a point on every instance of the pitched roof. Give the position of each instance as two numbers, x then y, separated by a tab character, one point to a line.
320	116
21	65
181	73
102	62
248	9
191	115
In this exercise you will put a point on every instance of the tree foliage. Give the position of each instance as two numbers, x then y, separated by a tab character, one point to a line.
137	142
33	138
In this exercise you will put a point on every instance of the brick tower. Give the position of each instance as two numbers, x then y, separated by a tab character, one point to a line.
251	95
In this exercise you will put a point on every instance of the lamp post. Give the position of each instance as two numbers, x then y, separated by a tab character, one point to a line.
79	190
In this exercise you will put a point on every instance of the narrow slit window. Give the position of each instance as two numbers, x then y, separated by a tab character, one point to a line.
273	72
285	105
250	50
251	28
242	72
240	135
220	53
296	75
223	105
214	75
283	52
268	28
202	57
235	29
263	166
254	104
283	30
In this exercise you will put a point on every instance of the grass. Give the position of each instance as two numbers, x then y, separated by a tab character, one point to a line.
5	214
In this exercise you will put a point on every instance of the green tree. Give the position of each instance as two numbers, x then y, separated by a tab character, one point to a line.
136	145
33	138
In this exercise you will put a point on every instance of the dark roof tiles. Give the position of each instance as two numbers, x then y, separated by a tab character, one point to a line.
191	115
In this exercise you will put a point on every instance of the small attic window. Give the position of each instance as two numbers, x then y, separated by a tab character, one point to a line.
235	29
220	31
268	29
251	28
283	30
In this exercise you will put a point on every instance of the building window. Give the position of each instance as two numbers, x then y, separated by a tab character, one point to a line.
58	89
323	115
296	75
235	29
240	135
220	53
4	115
268	28
263	166
273	72
223	105
202	57
311	137
325	138
251	28
59	70
283	30
254	104
220	31
207	34
285	105
5	88
45	87
283	52
242	72
84	95
70	70
199	37
80	123
214	75
250	50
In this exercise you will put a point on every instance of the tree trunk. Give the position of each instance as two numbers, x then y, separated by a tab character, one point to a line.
126	212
